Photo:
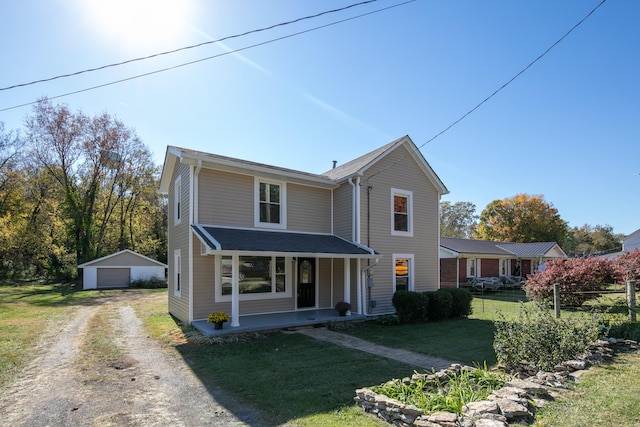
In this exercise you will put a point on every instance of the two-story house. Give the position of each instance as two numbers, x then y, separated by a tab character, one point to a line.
248	238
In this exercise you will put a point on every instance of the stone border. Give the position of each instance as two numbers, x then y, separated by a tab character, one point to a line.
516	402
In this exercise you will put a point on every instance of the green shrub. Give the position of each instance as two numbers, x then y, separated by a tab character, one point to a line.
411	307
540	339
152	283
461	305
440	304
626	330
388	320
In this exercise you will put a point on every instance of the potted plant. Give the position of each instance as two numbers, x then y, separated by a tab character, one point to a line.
343	307
218	318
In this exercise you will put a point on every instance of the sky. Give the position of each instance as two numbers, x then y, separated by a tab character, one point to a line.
339	85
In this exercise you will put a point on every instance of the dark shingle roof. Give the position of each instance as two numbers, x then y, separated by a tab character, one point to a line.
472	246
233	239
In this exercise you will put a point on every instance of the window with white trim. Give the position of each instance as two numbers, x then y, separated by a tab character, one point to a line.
504	267
177	201
403	272
401	212
260	277
177	271
270	204
471	267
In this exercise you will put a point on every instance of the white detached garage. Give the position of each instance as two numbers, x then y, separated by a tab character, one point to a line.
118	270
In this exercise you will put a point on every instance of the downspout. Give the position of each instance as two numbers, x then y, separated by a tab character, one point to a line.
357	210
353	209
193	219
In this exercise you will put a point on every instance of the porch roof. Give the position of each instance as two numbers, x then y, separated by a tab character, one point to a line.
237	240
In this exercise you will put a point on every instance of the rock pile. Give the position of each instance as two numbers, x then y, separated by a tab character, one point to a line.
516	402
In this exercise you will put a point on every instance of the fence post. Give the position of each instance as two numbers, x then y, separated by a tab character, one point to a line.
556	299
631	299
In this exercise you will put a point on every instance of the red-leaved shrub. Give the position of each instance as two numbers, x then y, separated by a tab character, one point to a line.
627	267
579	278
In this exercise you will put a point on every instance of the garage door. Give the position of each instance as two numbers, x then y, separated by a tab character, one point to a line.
113	277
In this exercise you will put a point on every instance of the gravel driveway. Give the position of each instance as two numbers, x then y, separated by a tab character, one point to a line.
148	386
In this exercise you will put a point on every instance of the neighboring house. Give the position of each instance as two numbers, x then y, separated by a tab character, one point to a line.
463	259
631	242
118	270
249	238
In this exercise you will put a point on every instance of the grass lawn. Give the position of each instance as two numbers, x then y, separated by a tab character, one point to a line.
293	380
607	396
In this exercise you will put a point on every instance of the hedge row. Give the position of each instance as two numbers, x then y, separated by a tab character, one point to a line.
445	303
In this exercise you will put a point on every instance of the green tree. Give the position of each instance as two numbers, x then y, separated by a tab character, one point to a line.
104	178
589	239
458	219
522	219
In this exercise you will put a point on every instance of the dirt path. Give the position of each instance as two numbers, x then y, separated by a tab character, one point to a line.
146	386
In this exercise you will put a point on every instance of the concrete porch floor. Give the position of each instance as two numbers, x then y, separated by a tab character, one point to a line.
275	321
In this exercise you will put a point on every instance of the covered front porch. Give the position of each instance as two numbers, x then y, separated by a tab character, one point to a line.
276	321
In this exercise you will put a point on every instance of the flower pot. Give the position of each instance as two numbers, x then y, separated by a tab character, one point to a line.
217	325
342	313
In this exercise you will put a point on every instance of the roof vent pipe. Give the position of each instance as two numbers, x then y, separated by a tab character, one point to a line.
335	162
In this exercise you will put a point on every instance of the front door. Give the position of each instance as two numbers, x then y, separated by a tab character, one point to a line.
306	282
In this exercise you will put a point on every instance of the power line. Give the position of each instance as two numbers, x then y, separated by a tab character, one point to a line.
282	24
212	57
465	115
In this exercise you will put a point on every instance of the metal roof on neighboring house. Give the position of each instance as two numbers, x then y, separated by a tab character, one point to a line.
537	249
222	239
489	247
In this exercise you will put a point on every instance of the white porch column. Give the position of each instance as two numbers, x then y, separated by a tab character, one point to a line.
347	280
235	290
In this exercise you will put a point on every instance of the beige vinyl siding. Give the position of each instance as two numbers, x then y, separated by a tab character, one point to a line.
179	239
225	198
308	209
407	175
342	205
325	283
203	283
275	305
338	281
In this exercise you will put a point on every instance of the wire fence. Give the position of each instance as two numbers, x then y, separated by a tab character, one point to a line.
616	302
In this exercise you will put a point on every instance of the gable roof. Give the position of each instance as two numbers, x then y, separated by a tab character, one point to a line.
329	179
360	165
175	155
143	259
489	247
226	239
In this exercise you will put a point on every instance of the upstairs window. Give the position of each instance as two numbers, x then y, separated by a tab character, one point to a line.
270	204
402	212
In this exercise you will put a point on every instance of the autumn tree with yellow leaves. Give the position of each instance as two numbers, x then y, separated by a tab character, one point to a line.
522	219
